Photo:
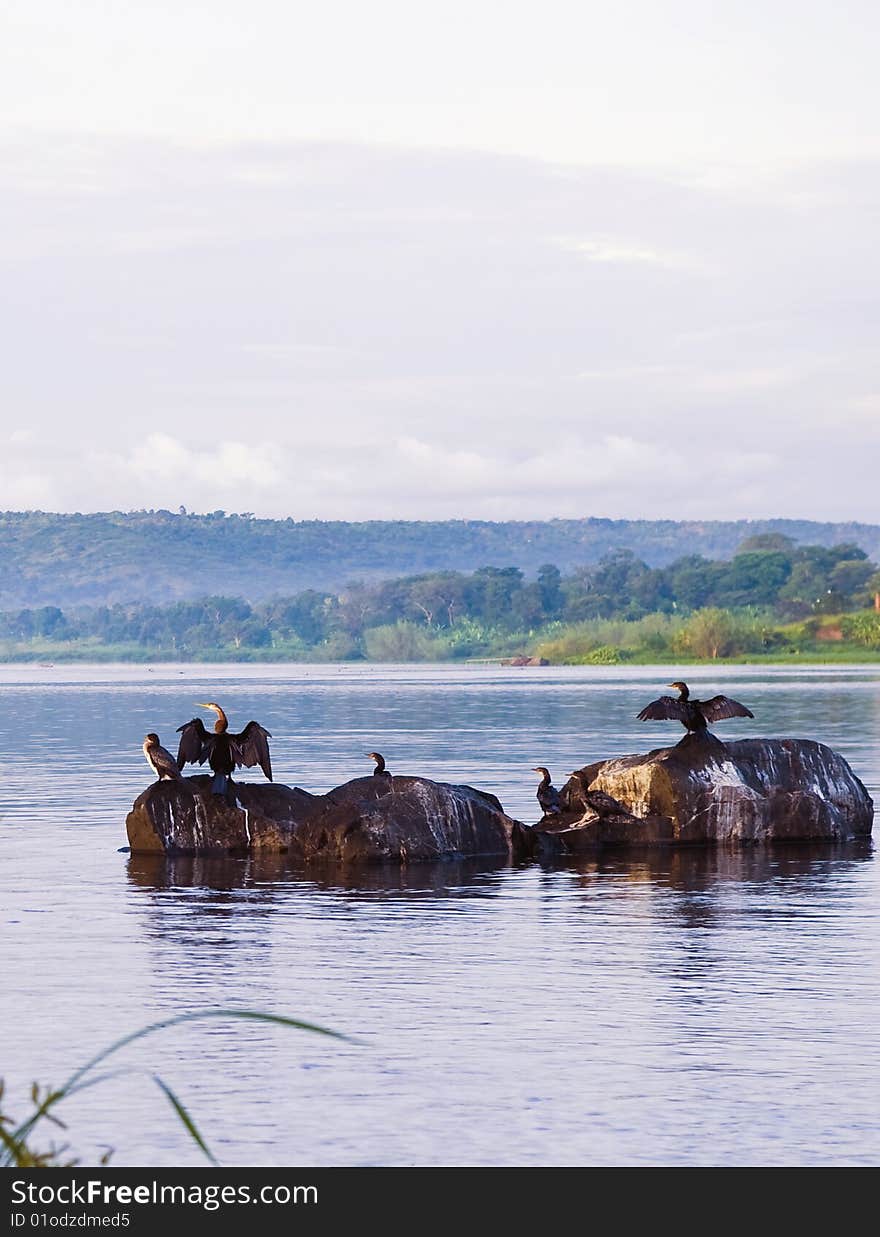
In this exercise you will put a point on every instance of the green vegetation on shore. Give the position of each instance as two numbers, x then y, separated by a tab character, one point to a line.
773	600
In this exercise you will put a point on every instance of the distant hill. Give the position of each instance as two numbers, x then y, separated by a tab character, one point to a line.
69	560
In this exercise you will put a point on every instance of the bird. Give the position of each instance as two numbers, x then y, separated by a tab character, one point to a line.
223	750
380	770
548	795
161	761
694	715
596	800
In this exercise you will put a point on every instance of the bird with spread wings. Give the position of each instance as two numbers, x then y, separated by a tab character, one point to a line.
223	750
694	715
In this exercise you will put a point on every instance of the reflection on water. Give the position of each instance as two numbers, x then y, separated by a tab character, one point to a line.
694	1006
696	868
158	872
689	869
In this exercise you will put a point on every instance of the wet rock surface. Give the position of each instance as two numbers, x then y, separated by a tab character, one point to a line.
397	820
701	791
706	791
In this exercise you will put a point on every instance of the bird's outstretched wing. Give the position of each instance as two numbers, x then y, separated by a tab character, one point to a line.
667	707
251	748
195	743
719	707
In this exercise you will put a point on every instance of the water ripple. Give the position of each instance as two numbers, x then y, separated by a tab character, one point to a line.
694	1008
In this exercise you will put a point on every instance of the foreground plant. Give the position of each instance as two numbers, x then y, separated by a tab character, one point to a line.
16	1141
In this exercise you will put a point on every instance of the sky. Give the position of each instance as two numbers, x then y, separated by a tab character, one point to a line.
401	261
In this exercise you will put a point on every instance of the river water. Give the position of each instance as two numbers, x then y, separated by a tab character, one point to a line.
700	1007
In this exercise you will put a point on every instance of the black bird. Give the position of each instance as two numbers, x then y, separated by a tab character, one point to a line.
548	795
161	762
597	800
223	751
694	715
380	770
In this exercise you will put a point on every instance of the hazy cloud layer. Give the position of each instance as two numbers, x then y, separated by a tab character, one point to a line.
340	331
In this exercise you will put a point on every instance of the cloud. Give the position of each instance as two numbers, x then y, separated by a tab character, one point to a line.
332	330
513	481
23	491
388	480
627	252
229	465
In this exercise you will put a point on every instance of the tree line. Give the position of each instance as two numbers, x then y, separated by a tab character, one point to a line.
452	613
159	556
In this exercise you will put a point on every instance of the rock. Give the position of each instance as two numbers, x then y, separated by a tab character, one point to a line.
185	818
522	659
706	791
700	791
362	821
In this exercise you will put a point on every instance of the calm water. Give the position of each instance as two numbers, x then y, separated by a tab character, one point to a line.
695	1008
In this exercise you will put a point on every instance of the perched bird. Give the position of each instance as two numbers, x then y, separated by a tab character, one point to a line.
380	770
597	800
548	795
223	750
161	762
694	715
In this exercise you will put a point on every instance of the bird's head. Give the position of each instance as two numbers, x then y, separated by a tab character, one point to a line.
152	739
681	688
540	769
377	756
222	722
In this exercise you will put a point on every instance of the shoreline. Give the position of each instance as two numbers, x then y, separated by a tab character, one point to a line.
844	657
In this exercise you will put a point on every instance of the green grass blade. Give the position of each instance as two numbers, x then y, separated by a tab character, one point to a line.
75	1081
196	1015
185	1118
16	1153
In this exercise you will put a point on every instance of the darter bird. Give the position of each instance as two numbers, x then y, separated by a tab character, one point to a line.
223	750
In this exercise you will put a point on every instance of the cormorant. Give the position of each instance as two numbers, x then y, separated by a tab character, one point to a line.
694	715
223	751
548	795
597	800
160	761
380	770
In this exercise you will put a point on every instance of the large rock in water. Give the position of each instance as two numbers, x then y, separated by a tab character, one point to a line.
706	791
408	820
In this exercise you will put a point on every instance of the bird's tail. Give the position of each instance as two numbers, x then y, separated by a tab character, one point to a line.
220	784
